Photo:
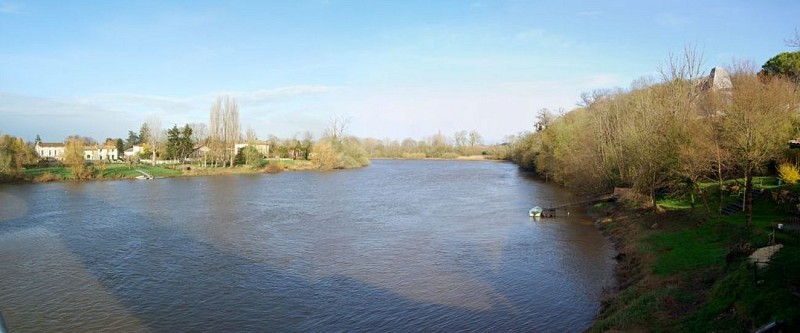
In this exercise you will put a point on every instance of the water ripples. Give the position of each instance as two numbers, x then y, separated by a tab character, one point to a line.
399	246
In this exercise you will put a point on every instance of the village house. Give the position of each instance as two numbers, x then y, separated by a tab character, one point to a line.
261	146
133	151
50	150
55	150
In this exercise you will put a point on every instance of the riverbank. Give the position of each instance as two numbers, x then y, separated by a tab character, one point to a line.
133	171
686	270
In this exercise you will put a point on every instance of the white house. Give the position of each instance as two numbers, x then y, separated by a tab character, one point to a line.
261	146
91	152
50	150
133	151
100	152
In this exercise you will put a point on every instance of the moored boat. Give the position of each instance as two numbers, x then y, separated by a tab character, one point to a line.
535	212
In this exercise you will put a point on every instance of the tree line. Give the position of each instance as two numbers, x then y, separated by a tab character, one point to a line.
666	135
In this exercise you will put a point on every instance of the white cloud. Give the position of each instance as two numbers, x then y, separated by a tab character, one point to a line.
493	109
112	115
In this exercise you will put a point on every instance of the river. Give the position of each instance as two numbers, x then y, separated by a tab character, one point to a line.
398	246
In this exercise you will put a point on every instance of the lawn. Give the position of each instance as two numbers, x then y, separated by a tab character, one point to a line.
102	171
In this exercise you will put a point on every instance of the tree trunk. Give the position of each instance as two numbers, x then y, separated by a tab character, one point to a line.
748	196
705	200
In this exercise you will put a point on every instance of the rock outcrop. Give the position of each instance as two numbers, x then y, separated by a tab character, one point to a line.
717	80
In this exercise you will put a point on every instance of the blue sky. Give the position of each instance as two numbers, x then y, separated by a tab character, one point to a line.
397	69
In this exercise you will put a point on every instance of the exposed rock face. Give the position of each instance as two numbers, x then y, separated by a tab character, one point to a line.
718	80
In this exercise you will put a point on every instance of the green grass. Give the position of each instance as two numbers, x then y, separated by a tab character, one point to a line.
688	285
61	172
687	250
158	171
676	203
110	171
634	308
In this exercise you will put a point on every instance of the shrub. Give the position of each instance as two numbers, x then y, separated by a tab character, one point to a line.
274	167
47	177
789	173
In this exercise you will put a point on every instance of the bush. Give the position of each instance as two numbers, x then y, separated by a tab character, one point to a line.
274	167
789	173
47	177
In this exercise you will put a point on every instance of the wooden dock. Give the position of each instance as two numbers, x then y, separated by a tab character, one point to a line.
552	210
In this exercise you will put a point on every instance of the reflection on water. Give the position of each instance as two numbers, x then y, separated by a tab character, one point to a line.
399	246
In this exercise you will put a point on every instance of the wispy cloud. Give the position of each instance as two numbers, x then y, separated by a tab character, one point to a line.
110	115
8	7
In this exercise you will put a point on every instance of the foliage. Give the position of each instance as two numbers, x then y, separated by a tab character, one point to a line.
179	142
789	173
120	145
14	154
153	137
73	157
346	153
784	64
248	155
664	136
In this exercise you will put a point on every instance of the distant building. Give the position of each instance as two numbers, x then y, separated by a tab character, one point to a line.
91	152
100	152
50	150
133	151
261	146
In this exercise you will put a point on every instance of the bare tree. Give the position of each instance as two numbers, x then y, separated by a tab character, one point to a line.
686	67
232	127
757	125
460	138
199	132
337	127
475	138
250	136
155	135
545	117
224	129
795	41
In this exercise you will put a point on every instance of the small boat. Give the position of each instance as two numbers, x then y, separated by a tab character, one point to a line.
535	211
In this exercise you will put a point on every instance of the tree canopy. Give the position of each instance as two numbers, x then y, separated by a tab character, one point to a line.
784	64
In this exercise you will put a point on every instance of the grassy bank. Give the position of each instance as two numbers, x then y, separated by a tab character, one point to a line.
126	171
684	270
